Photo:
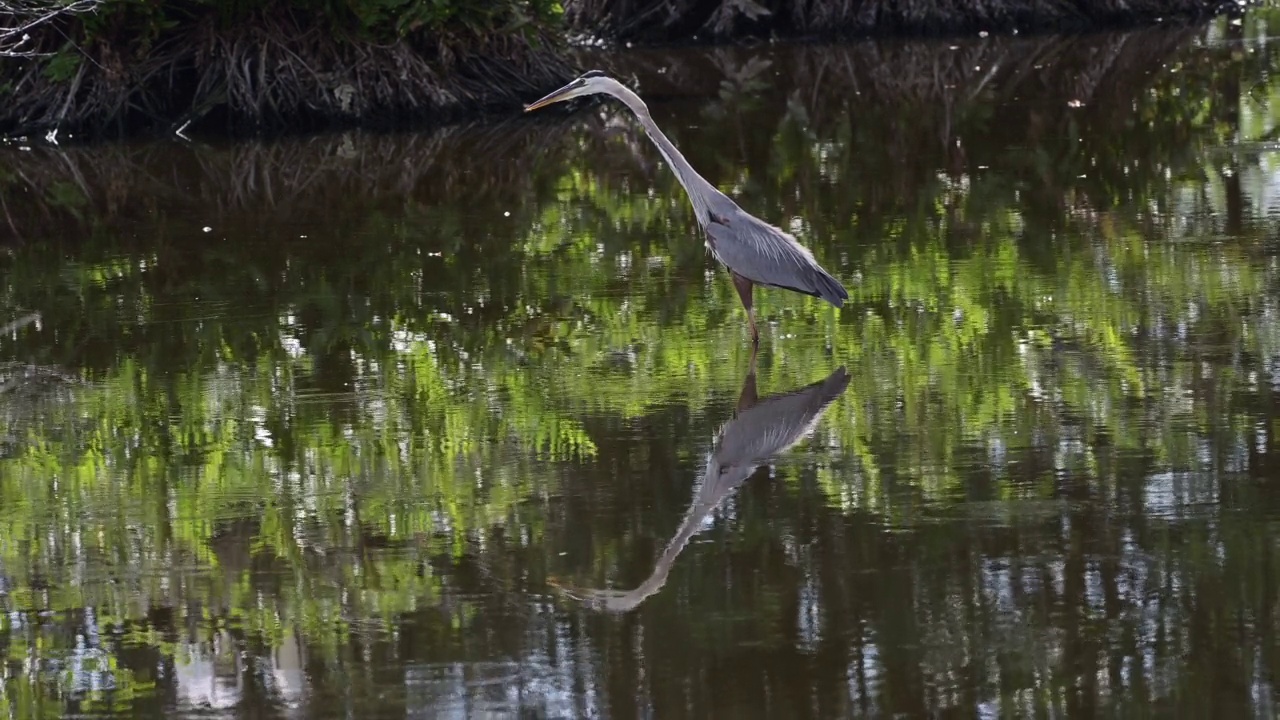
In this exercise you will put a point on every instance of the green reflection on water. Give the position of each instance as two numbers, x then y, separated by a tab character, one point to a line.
336	454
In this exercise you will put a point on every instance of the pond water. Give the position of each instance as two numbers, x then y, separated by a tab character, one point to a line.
465	423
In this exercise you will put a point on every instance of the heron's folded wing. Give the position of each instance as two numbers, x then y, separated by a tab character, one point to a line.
766	255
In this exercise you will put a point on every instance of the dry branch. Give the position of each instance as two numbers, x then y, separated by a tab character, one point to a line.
19	19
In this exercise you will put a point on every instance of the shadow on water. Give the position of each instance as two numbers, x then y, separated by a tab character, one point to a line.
311	428
759	430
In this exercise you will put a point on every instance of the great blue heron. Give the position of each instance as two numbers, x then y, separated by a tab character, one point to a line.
755	252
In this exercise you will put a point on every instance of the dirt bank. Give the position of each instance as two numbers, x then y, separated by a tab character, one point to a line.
113	67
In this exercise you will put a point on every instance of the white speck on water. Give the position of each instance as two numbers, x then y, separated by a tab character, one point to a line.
983	34
206	228
506	213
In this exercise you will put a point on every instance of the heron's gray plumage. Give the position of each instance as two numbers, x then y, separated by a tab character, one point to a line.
766	255
754	251
757	432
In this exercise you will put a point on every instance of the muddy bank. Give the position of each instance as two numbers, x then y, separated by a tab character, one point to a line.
693	20
112	68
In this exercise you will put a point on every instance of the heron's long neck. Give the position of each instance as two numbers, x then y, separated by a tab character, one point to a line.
694	185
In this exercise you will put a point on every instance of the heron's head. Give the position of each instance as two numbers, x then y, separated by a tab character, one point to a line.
590	83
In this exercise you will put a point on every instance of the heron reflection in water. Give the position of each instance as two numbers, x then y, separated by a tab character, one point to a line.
759	430
755	252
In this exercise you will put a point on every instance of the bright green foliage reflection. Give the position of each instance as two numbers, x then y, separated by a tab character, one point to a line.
339	449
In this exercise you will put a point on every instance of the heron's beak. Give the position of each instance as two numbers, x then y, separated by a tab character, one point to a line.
563	93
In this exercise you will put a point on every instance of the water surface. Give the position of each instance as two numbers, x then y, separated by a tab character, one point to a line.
465	423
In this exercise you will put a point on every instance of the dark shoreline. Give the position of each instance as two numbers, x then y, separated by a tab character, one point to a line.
377	94
291	80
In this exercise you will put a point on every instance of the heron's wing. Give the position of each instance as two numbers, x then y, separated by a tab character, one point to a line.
766	255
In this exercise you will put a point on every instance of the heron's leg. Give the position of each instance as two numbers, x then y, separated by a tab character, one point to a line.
747	398
744	287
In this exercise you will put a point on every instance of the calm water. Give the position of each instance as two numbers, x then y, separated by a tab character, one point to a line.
464	424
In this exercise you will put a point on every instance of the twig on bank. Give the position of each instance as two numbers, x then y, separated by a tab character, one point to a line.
18	19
